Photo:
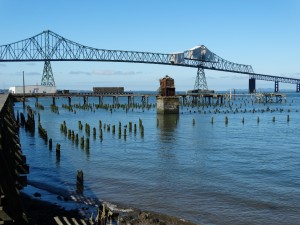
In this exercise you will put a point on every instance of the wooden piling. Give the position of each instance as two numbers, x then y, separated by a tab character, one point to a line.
87	143
58	149
82	142
134	129
79	182
76	139
50	144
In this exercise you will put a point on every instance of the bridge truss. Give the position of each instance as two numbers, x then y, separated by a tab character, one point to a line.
49	46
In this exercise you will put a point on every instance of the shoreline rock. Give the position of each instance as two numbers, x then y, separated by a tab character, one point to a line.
40	212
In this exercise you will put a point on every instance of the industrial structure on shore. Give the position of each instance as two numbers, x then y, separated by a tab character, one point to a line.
32	89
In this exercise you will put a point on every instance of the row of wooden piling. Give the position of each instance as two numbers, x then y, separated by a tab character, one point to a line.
42	131
243	120
227	111
84	142
13	166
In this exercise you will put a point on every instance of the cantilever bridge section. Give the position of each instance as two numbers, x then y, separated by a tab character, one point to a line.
48	46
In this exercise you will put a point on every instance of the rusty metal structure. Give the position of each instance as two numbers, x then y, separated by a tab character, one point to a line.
167	86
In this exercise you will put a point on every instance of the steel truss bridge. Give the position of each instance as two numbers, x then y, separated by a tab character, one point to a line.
49	46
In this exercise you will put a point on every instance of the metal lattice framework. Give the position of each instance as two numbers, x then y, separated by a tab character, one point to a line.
275	78
49	46
47	78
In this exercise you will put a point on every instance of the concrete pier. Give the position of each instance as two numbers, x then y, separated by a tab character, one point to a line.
167	104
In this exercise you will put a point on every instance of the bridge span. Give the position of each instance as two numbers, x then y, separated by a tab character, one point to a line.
48	46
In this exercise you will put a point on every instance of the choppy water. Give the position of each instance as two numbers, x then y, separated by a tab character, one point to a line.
239	173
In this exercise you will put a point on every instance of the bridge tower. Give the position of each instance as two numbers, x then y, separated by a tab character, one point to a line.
276	86
252	88
47	78
200	82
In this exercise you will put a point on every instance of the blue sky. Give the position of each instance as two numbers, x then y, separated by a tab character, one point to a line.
264	34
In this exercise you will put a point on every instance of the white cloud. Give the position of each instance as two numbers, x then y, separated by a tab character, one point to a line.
31	64
115	72
31	74
78	72
105	72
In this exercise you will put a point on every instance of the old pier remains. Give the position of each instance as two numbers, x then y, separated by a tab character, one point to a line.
167	102
13	166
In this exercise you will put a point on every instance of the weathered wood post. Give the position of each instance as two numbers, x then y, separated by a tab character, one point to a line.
69	100
58	149
226	120
50	144
79	181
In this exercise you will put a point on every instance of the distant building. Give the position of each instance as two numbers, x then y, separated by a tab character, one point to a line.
32	89
108	90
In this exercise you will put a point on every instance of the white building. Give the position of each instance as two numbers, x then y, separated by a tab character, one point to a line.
32	89
200	53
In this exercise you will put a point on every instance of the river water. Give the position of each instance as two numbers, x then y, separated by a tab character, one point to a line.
184	165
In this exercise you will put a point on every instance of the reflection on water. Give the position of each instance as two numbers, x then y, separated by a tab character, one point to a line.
167	122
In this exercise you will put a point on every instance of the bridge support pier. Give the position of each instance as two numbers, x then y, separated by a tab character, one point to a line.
167	104
276	87
220	99
209	99
144	100
130	100
195	100
47	78
85	99
100	100
298	87
69	100
252	88
53	100
115	100
200	82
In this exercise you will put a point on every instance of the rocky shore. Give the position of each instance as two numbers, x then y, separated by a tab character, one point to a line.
40	212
